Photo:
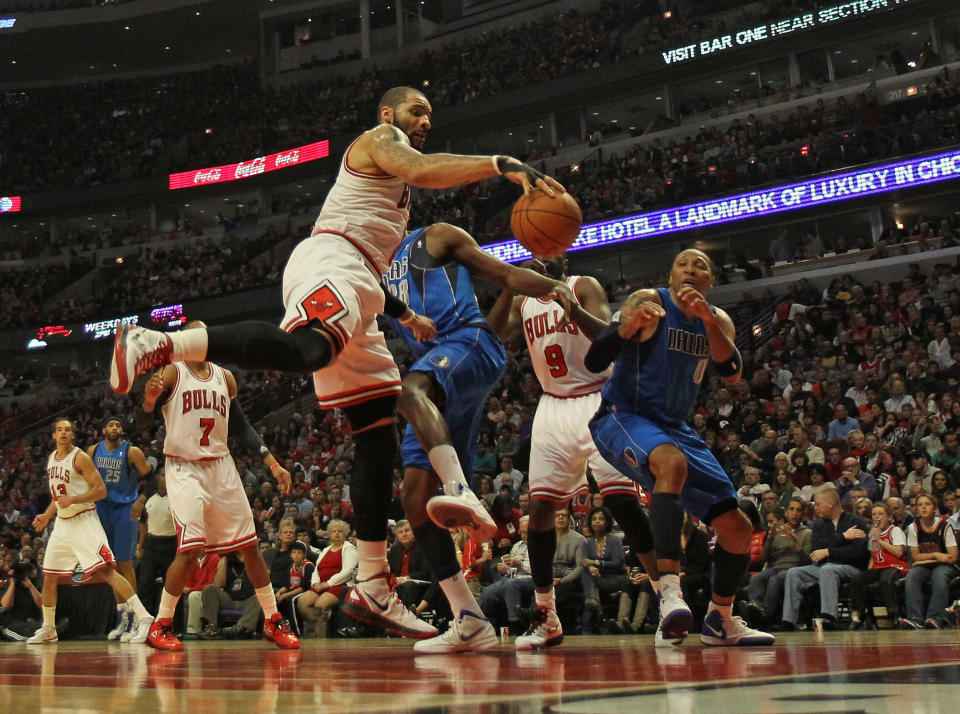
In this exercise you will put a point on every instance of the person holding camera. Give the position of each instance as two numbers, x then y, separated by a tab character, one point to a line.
20	605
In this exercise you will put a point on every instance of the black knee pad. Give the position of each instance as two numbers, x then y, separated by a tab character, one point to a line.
312	346
371	485
370	412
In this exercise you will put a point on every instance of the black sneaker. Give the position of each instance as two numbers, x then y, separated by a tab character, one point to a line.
210	632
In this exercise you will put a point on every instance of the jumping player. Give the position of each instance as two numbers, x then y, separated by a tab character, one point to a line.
454	374
120	511
207	501
332	294
661	347
561	447
78	537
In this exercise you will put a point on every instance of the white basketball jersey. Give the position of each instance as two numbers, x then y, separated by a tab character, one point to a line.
197	414
64	479
370	210
557	353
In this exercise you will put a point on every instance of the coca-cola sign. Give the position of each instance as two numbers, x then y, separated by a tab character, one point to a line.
250	167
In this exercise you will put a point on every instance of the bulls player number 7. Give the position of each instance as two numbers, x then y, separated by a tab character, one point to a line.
207	426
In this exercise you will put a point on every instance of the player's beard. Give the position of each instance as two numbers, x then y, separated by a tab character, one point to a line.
409	136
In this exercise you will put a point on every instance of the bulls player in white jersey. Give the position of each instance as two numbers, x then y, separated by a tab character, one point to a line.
561	447
75	486
332	294
207	501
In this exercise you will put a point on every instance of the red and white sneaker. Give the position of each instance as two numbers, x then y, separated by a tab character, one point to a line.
462	511
278	631
135	350
161	636
544	631
375	602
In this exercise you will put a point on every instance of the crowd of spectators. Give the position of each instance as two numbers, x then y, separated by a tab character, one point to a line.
855	394
69	137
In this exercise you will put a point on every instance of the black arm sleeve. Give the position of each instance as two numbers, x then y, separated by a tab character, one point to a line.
604	349
393	306
242	430
147	486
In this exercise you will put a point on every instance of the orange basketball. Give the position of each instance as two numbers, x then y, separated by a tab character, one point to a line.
546	226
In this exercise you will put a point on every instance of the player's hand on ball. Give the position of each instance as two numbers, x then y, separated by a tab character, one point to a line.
693	301
528	177
423	327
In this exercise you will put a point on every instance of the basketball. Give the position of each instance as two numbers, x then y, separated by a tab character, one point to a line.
546	226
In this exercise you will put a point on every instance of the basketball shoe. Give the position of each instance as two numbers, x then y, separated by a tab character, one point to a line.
717	632
375	602
467	633
277	630
462	511
46	635
659	641
161	637
675	617
135	350
124	620
139	630
544	631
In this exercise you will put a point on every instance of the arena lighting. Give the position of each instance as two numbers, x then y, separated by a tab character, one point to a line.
918	171
9	204
804	22
252	167
7	22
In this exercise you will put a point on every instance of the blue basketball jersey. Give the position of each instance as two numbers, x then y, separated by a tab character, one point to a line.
114	468
443	291
672	364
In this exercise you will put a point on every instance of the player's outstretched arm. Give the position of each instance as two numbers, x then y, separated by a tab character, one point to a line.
389	148
592	314
241	428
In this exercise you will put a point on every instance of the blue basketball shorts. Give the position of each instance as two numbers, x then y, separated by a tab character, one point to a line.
467	365
121	531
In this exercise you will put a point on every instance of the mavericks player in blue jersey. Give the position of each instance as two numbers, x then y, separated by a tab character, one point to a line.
662	345
431	272
120	511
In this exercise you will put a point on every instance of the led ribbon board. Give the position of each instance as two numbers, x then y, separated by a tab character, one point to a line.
804	22
252	167
9	204
765	202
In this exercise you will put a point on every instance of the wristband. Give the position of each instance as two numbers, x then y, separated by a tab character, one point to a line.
729	367
496	165
274	467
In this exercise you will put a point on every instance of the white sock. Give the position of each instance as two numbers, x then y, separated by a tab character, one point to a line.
669	581
547	600
459	595
725	610
137	608
268	601
168	605
50	617
444	460
189	345
373	558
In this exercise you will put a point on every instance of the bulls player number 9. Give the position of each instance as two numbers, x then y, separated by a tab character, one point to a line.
553	355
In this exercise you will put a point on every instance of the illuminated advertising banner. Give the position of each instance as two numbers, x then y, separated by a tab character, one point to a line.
747	36
253	167
164	317
9	204
7	22
831	188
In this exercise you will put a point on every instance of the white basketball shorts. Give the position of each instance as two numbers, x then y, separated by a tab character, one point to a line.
78	539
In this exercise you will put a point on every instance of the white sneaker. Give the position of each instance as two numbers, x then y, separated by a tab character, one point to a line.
375	602
462	511
139	630
467	633
675	617
544	631
659	641
122	626
135	350
44	636
131	628
717	632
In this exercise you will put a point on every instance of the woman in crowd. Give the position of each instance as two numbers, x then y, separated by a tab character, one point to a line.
336	568
603	568
784	488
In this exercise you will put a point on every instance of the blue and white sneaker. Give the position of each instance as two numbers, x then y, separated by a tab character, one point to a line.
675	617
731	633
123	624
131	629
659	641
